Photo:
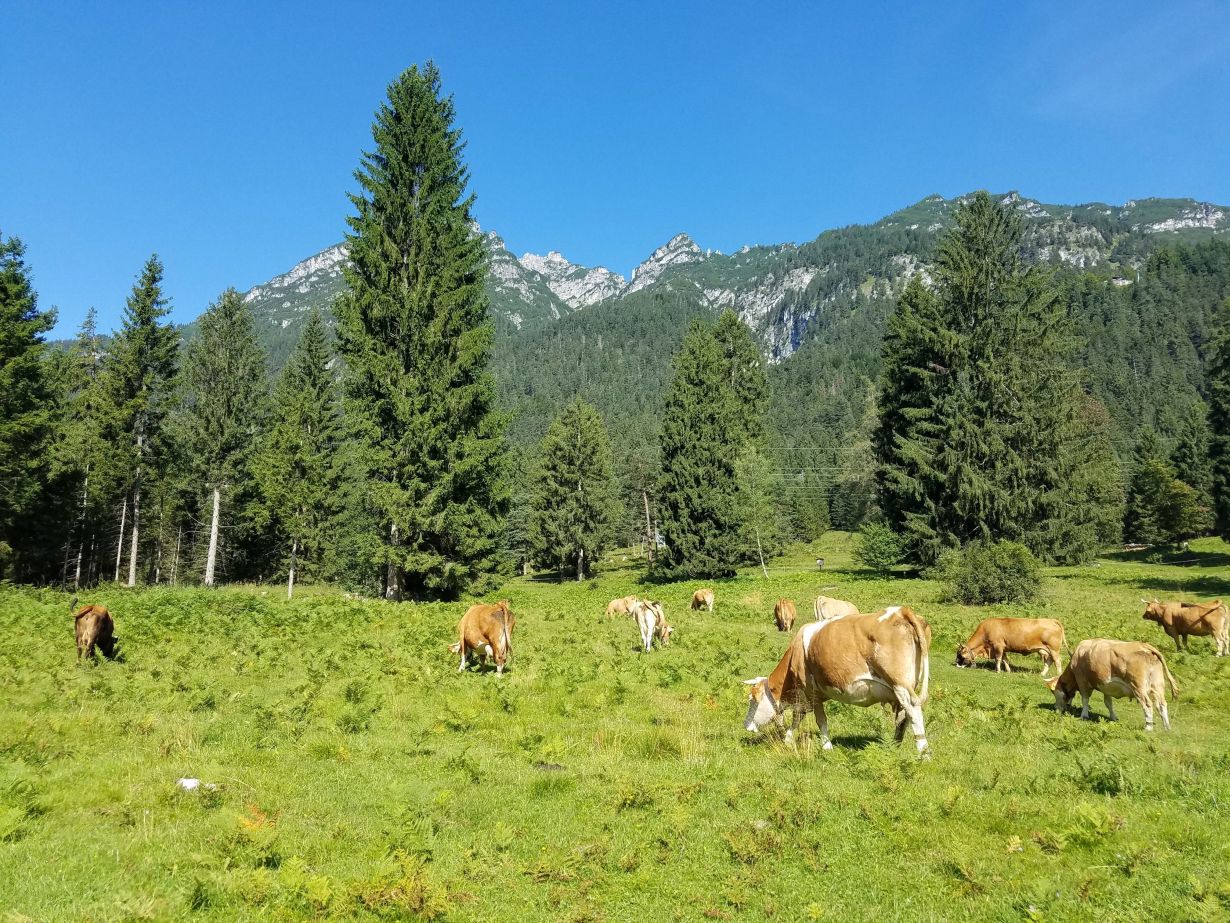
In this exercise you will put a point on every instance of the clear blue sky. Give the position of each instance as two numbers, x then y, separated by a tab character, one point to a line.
223	135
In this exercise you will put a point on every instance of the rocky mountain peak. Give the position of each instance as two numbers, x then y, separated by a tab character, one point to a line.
677	251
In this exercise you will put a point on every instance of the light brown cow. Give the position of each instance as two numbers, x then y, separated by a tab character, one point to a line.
702	599
856	659
621	606
1182	619
825	607
94	627
485	630
1115	669
784	614
996	638
651	622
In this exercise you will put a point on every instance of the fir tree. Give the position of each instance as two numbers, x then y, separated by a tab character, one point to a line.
1218	373
224	401
1161	509
698	490
414	332
24	424
977	399
574	497
743	368
140	369
296	464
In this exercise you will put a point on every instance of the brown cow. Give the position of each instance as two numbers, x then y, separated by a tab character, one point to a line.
651	622
485	630
784	614
702	599
1115	669
856	659
94	627
825	607
996	638
1182	619
621	606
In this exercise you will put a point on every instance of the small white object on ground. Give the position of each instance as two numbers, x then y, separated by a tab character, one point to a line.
191	785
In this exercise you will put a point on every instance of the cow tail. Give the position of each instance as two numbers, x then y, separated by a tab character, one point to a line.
507	635
1063	639
72	607
922	647
1174	687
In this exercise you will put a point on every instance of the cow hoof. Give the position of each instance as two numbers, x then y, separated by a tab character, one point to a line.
827	745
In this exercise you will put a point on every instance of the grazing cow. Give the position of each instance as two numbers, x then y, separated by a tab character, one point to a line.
996	638
856	659
702	599
485	630
784	614
621	606
1182	619
651	622
826	607
94	628
1115	669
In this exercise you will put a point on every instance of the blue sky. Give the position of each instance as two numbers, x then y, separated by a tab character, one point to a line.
224	135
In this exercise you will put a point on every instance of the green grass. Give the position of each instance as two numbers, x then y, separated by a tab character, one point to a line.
360	777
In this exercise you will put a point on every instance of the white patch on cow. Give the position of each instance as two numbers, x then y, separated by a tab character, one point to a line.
811	629
862	690
1115	687
889	613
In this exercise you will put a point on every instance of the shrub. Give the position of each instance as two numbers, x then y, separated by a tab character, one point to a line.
983	572
878	547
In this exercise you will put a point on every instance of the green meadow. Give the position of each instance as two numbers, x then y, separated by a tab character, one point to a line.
351	773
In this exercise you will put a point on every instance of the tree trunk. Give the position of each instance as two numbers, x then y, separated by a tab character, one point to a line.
136	527
650	538
290	580
211	559
392	581
119	547
760	551
580	564
85	498
175	561
158	549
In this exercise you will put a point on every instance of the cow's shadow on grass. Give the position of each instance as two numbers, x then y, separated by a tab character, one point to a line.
1073	711
840	741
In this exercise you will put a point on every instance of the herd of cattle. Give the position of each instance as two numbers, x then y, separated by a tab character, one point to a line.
847	656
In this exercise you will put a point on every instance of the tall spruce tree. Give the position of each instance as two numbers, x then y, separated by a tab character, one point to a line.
977	398
1218	374
575	501
414	332
139	372
1190	456
296	464
698	490
224	395
1161	509
24	423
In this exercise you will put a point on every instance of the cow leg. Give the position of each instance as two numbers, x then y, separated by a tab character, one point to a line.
909	702
1110	706
900	719
1145	698
1084	704
1161	706
822	721
1178	642
462	667
796	718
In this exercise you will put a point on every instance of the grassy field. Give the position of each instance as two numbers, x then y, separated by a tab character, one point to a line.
360	777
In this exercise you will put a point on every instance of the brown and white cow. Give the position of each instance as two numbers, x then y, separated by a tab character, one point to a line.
94	627
621	606
996	638
485	630
784	614
1182	619
702	599
855	659
1115	669
825	607
651	622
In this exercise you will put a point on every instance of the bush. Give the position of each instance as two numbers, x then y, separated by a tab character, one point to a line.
984	572
878	547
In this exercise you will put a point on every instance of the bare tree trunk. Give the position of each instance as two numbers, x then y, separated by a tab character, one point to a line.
650	538
392	582
85	498
136	528
290	580
211	559
760	551
158	551
175	561
119	547
580	564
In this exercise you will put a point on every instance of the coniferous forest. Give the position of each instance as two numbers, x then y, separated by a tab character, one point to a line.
411	446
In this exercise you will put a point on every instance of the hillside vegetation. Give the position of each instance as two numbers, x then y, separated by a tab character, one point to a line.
360	777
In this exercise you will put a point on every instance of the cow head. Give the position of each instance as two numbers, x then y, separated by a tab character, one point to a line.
1153	610
762	707
965	657
1064	688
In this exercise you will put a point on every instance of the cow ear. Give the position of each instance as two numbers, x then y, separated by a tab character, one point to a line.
1052	683
753	682
1143	600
